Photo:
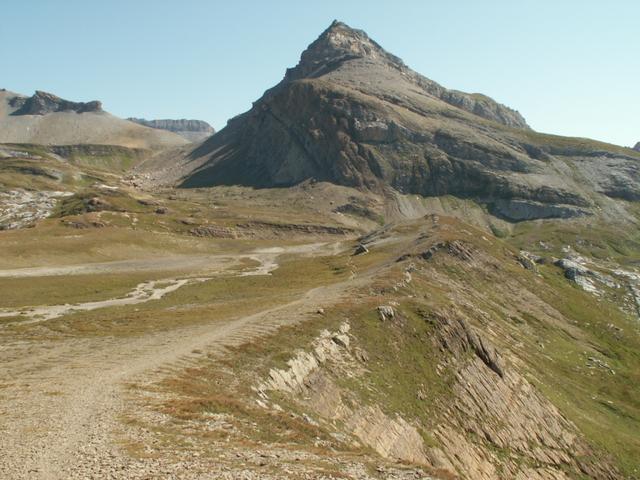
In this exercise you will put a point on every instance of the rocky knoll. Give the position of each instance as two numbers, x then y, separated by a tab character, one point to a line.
193	130
42	103
353	114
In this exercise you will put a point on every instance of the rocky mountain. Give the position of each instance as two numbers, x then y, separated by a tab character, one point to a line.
42	103
47	119
340	44
438	293
353	114
192	130
637	147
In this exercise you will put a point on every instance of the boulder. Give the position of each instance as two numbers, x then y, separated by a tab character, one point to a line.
529	260
386	312
361	250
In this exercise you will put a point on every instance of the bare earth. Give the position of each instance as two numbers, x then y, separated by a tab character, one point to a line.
61	401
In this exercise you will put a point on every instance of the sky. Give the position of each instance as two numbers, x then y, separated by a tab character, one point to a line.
570	67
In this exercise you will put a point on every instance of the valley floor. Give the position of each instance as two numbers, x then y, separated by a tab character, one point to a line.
218	335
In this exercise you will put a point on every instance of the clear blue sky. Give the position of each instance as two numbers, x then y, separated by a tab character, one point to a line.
571	67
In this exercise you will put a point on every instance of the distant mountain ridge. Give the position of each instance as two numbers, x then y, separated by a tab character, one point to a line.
42	103
192	130
45	118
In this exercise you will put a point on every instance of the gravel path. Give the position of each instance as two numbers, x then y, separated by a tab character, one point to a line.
60	402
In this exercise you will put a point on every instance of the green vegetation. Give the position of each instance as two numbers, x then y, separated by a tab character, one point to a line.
93	199
603	403
108	158
593	239
402	374
497	231
34	291
224	297
557	144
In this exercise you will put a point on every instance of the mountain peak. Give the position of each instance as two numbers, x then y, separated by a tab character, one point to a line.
337	24
337	44
350	57
637	147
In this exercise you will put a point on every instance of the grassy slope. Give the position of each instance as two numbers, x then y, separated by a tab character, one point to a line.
79	166
403	359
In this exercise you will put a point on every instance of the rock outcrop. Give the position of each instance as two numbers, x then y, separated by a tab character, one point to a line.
637	147
386	312
306	378
192	130
42	103
20	208
506	412
490	409
352	114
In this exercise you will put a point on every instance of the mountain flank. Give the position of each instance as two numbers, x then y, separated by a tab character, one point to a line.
353	114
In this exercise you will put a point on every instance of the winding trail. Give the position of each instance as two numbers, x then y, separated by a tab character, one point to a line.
60	402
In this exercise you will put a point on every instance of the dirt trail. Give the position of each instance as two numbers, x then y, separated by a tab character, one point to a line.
178	262
60	402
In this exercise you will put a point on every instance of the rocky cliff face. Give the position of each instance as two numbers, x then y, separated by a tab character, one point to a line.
353	114
42	103
193	130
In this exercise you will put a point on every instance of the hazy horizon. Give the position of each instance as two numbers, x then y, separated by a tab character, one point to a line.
569	69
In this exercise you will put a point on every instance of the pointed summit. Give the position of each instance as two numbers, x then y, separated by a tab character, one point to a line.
337	44
348	57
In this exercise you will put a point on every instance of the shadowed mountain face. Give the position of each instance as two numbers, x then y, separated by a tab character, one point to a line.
353	114
192	130
637	147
